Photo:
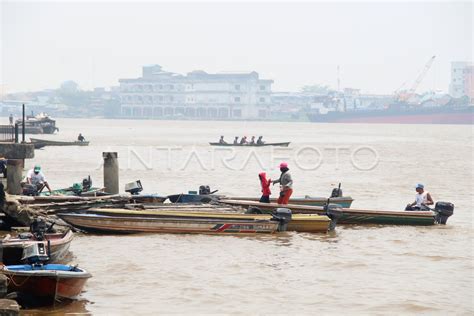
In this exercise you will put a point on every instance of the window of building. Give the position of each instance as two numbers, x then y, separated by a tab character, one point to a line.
237	113
237	99
262	99
262	87
237	87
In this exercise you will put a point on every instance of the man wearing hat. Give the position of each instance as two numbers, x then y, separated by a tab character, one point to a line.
36	177
286	184
422	199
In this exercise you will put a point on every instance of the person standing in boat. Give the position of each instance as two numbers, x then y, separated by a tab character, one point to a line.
81	138
236	140
36	177
222	141
286	184
422	199
265	184
260	141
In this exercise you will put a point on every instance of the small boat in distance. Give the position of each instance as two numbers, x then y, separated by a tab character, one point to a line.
283	144
44	142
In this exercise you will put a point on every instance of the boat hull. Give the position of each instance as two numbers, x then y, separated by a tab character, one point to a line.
172	224
313	223
70	192
46	284
45	142
344	202
283	144
12	248
351	216
191	198
441	115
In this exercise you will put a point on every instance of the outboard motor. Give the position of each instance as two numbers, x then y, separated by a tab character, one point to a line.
334	212
204	190
134	188
443	211
282	215
86	183
38	228
36	253
336	192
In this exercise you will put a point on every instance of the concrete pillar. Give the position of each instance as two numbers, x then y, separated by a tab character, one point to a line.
111	172
14	175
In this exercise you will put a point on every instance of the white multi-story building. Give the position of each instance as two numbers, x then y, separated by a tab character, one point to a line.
160	94
461	79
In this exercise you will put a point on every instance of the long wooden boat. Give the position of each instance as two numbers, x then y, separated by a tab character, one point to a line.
46	142
283	144
57	244
173	223
344	201
350	216
314	223
49	282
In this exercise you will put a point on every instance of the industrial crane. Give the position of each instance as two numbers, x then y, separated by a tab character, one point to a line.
403	96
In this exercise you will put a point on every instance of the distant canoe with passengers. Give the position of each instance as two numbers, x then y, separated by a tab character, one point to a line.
283	144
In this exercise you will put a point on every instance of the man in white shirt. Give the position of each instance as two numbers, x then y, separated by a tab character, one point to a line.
422	199
37	178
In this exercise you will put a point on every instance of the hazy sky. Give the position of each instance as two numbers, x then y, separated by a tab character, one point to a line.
378	46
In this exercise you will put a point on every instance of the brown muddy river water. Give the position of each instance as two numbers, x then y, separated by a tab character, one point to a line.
356	269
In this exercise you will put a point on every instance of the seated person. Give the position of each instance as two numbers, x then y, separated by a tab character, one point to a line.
244	141
260	141
236	140
36	177
422	200
81	138
252	141
222	141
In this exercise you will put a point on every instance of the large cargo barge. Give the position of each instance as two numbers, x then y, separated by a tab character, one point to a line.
406	115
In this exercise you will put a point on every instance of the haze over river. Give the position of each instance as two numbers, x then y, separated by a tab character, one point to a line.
357	269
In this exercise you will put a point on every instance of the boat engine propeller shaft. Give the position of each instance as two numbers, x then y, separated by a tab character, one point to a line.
282	215
334	212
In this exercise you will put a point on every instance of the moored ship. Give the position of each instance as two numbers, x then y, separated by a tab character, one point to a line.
400	115
39	124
